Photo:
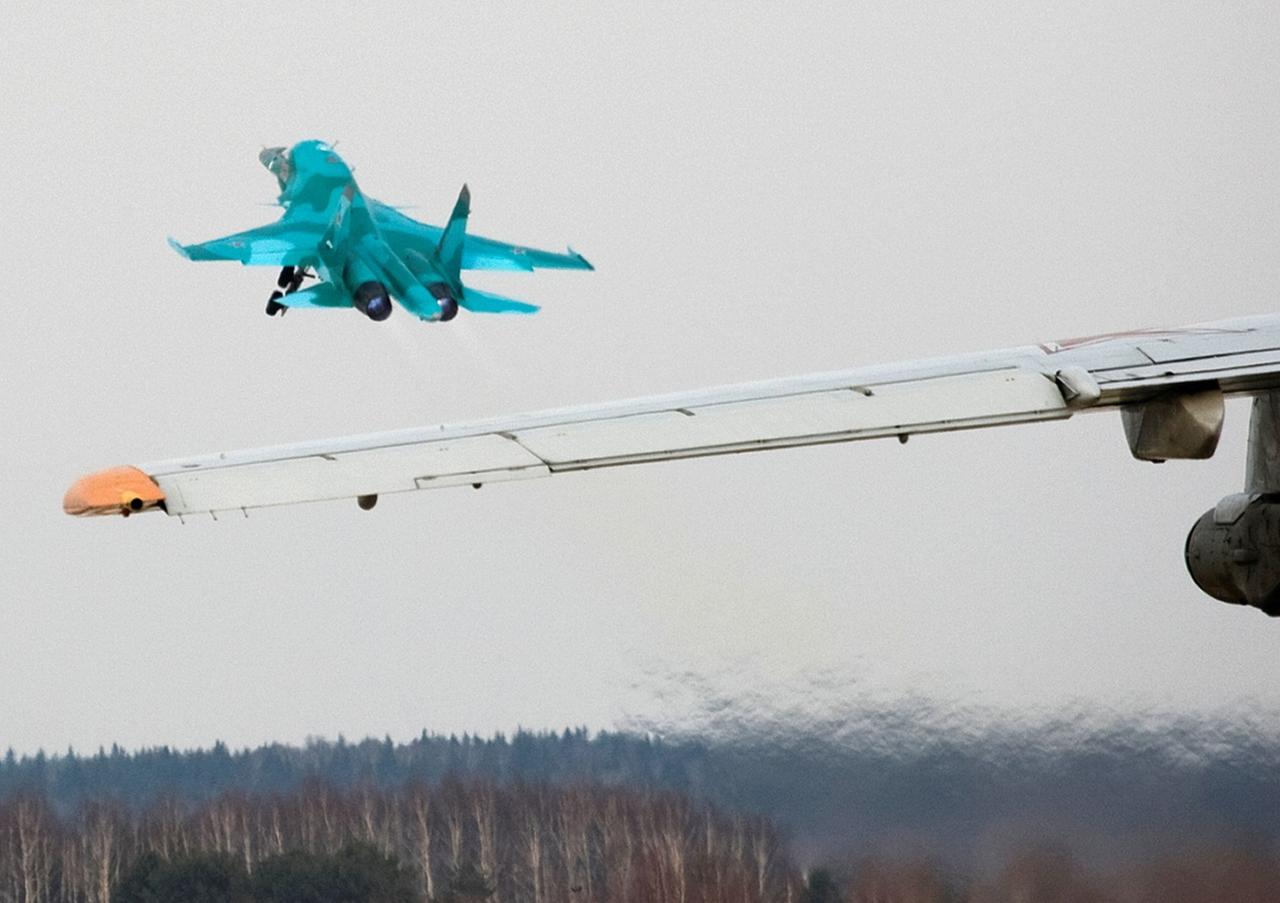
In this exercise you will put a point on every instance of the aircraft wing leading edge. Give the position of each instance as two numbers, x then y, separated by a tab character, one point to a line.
283	243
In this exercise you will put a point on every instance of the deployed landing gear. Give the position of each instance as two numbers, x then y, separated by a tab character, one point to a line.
288	282
290	279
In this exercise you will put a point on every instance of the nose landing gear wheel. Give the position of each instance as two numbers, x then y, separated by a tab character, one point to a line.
274	306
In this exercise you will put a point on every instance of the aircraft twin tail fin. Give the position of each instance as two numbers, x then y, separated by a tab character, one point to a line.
449	258
454	237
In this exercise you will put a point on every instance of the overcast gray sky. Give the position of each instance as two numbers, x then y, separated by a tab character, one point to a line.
765	191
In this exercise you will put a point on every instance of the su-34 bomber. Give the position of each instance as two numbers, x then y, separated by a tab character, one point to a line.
364	253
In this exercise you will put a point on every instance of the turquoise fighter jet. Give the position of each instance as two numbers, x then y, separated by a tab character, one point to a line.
364	253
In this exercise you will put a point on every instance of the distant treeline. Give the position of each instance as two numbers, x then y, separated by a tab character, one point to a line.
968	798
141	777
475	841
471	840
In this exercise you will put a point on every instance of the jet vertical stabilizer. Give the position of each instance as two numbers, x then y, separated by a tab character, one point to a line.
454	237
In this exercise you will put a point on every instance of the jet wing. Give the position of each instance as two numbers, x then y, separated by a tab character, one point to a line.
486	254
405	234
745	418
1018	385
284	243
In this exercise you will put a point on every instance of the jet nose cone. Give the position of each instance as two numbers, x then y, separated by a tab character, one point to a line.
120	490
271	157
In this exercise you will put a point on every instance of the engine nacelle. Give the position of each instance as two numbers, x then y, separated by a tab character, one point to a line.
443	294
372	300
1233	551
369	293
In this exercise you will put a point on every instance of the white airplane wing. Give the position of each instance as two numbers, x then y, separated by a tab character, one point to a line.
1171	383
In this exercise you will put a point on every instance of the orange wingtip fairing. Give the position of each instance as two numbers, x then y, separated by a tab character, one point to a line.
120	490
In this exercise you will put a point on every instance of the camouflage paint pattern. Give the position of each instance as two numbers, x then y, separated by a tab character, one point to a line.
349	240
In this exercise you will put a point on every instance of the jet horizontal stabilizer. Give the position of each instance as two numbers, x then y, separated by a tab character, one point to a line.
323	295
479	302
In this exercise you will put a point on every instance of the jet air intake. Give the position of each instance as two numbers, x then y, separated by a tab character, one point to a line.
1233	551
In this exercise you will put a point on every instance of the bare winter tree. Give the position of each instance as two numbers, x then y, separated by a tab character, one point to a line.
419	833
28	850
573	827
164	828
618	845
533	842
377	821
102	838
484	815
454	800
320	811
269	826
532	835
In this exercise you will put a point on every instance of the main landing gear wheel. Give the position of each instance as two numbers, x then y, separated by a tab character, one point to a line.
448	308
291	279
